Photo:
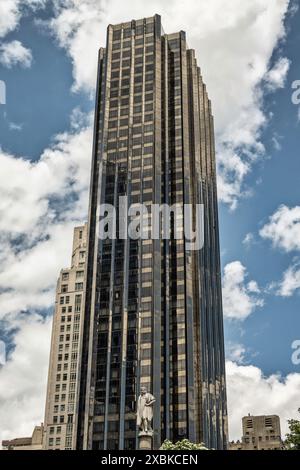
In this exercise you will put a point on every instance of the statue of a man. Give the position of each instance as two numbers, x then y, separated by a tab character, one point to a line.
145	411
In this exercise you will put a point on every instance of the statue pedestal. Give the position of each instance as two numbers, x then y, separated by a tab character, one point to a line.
145	440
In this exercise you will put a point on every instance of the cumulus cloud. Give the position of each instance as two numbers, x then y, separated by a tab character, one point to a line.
23	378
240	298
283	228
9	16
14	53
290	282
249	391
235	352
11	12
276	77
39	207
238	45
30	200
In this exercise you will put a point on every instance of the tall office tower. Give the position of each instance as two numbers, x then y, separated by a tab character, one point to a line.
62	387
153	308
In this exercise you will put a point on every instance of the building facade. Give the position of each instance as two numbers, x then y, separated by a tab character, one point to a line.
62	389
153	308
35	442
259	433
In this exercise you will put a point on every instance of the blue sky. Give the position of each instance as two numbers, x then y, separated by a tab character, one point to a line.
270	330
249	55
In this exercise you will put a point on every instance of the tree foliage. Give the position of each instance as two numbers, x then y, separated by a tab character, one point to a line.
185	444
293	437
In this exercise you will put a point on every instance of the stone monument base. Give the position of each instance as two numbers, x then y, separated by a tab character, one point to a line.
145	440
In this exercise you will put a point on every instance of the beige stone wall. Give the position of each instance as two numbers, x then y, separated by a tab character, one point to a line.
27	443
259	433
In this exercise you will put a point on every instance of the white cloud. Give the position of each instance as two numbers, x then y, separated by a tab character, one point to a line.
14	53
15	127
234	52
276	77
23	378
290	282
249	239
39	207
240	298
9	16
32	196
283	228
235	352
276	141
249	391
11	12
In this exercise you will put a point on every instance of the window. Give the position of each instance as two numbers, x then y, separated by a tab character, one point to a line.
61	300
67	299
79	286
68	442
64	288
65	276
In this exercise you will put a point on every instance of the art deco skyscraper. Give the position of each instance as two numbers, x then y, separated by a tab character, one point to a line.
63	384
153	309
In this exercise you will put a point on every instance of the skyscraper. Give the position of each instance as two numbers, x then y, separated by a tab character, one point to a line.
153	307
63	384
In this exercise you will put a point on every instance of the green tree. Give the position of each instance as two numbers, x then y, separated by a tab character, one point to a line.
293	437
185	444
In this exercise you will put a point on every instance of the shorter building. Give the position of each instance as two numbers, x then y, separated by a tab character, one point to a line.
259	433
35	442
64	370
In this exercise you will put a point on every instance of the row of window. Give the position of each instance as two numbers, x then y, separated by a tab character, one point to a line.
62	408
139	49
138	59
139	41
139	29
